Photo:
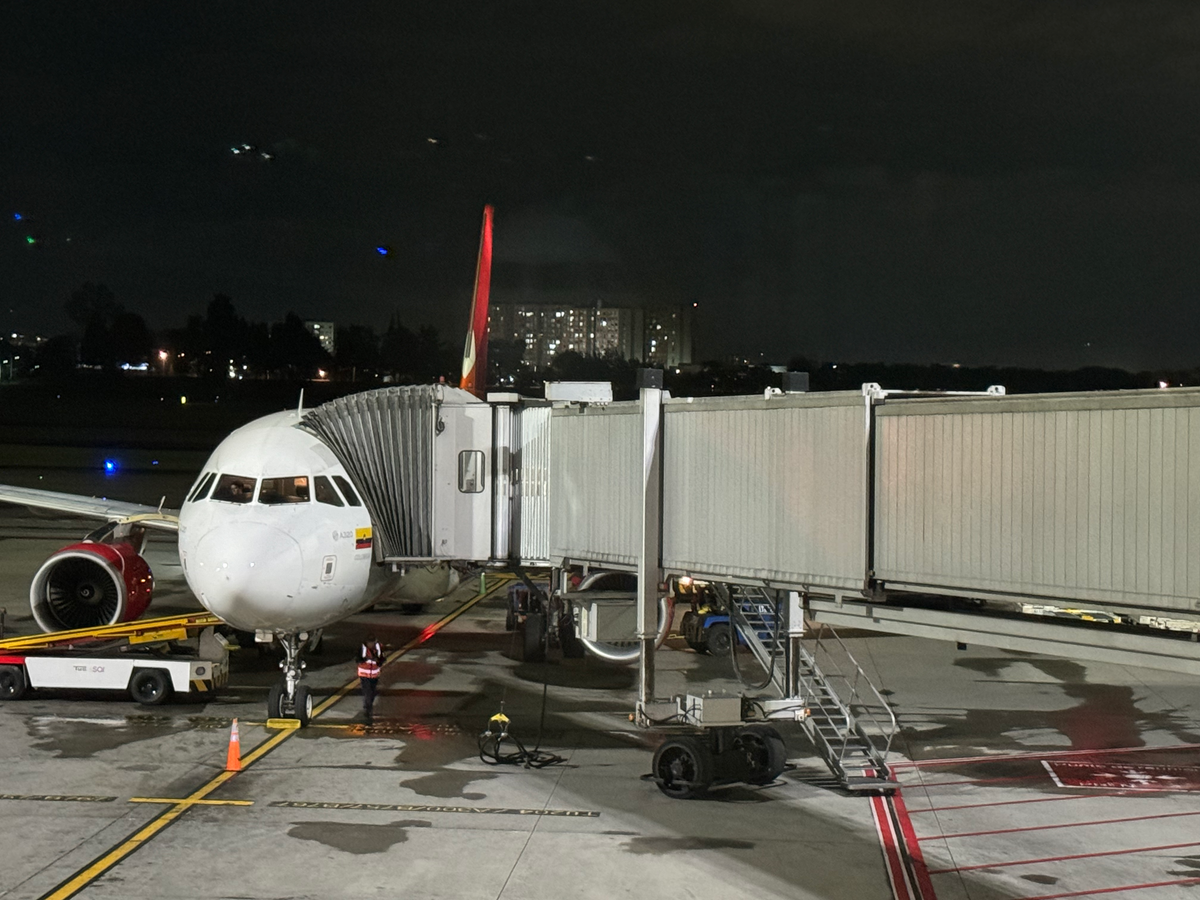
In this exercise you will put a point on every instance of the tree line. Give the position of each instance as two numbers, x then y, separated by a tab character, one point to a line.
223	344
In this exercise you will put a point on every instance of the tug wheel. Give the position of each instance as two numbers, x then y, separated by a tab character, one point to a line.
150	687
683	767
12	683
719	639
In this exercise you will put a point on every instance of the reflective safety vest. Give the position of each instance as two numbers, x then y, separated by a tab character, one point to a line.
369	667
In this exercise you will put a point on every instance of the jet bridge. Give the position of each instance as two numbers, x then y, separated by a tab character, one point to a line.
933	514
421	455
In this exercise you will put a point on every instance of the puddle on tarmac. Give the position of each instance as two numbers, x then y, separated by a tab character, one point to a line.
448	784
1040	879
1106	716
661	845
406	671
1191	867
356	837
82	738
583	673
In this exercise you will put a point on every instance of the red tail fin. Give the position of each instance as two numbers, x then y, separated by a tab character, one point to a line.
474	367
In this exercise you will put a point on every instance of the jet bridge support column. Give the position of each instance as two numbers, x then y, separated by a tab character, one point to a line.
795	626
649	572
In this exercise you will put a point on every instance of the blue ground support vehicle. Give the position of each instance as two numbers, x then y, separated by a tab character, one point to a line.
707	627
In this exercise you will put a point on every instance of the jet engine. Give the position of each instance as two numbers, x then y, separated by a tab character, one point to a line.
90	584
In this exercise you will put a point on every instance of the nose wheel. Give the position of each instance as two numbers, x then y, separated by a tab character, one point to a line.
288	698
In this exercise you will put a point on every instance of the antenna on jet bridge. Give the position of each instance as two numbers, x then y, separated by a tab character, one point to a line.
300	408
162	502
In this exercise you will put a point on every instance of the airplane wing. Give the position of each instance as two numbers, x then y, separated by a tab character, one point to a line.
92	507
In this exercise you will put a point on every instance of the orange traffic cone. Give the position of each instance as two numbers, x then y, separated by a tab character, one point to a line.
233	759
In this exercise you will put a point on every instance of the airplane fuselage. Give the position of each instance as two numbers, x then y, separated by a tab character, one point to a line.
273	536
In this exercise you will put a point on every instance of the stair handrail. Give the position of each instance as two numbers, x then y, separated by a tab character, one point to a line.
855	708
770	661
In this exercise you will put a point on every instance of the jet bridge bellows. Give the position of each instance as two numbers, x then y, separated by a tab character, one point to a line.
419	455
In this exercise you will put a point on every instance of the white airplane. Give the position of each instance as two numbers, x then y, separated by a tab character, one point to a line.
274	538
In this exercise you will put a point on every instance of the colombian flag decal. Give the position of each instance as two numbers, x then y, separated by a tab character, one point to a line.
362	538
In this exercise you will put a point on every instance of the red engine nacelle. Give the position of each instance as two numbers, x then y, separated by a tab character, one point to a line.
87	585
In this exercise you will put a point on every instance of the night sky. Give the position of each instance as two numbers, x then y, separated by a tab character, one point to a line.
938	181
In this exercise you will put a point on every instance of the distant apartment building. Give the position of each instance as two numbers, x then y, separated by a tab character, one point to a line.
324	332
556	286
655	336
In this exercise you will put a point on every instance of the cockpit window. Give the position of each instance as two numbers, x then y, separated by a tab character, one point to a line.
293	489
347	491
234	489
203	483
324	491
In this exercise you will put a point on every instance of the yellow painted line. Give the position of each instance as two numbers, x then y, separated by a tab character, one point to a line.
106	861
191	802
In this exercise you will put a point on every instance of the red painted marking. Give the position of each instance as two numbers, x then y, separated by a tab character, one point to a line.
1015	802
934	837
1113	890
931	784
1050	859
964	760
891	850
12	660
1124	777
913	848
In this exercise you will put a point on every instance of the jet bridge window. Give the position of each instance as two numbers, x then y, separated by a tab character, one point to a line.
202	486
292	489
324	491
347	491
234	489
470	471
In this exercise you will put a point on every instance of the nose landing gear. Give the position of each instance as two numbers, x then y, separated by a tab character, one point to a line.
288	698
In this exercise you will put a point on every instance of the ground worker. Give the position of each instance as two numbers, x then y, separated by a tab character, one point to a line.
370	658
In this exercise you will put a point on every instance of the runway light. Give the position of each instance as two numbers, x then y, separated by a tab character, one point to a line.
110	467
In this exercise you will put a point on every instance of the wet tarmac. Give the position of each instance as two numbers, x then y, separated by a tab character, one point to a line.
1023	776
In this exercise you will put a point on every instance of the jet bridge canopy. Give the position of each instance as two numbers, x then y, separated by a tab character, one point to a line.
420	455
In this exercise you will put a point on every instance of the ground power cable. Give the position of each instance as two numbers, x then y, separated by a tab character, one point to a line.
491	742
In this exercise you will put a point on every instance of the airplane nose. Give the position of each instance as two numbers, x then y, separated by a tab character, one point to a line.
247	573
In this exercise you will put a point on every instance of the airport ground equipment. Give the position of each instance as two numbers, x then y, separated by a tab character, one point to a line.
129	657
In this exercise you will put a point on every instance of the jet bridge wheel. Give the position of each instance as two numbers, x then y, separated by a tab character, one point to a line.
12	683
683	767
762	752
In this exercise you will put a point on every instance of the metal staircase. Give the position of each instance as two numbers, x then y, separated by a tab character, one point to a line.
850	723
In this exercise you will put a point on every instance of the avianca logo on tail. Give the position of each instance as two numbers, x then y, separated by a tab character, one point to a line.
474	369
